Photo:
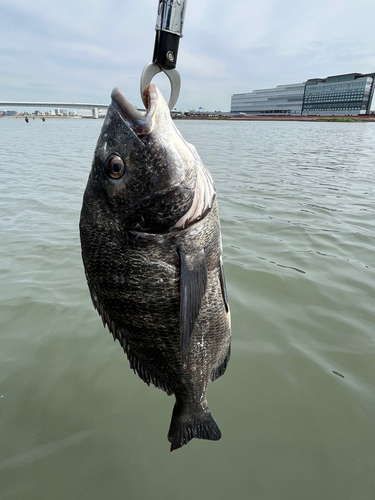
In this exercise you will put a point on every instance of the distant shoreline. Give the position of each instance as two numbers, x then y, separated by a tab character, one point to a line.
48	117
364	118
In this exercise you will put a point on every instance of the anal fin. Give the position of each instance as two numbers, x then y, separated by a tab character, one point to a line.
219	370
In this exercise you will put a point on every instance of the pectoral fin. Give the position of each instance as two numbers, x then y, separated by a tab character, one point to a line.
192	289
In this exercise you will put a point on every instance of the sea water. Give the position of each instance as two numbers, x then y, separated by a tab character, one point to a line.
297	404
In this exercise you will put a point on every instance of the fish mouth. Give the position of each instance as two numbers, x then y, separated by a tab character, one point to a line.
141	124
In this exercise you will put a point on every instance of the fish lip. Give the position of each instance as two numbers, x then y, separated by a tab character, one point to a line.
139	123
150	97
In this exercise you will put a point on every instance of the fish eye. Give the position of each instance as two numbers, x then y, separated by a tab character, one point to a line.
114	167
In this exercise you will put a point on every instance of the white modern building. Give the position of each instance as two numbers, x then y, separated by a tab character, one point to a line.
281	100
340	95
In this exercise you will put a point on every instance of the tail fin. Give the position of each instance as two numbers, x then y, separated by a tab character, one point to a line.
187	424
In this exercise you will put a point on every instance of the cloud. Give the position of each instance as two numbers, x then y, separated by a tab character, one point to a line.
76	51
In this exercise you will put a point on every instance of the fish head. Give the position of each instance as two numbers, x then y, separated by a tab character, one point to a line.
144	175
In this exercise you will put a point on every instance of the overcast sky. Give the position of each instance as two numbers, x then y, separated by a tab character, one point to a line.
77	51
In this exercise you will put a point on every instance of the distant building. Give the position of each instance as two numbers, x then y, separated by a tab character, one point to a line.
282	100
340	95
84	112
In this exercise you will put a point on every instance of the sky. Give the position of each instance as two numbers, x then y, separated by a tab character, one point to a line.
77	51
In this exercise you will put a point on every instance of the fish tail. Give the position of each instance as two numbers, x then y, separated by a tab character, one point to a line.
188	423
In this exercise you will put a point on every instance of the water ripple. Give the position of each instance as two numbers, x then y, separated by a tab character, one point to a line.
297	204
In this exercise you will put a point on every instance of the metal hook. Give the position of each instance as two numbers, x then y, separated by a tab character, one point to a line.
152	69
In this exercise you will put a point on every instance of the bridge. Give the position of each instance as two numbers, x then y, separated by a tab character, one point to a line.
37	104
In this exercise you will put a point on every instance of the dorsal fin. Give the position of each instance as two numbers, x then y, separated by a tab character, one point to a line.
193	284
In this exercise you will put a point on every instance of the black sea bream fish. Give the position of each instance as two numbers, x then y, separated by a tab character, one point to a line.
151	248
